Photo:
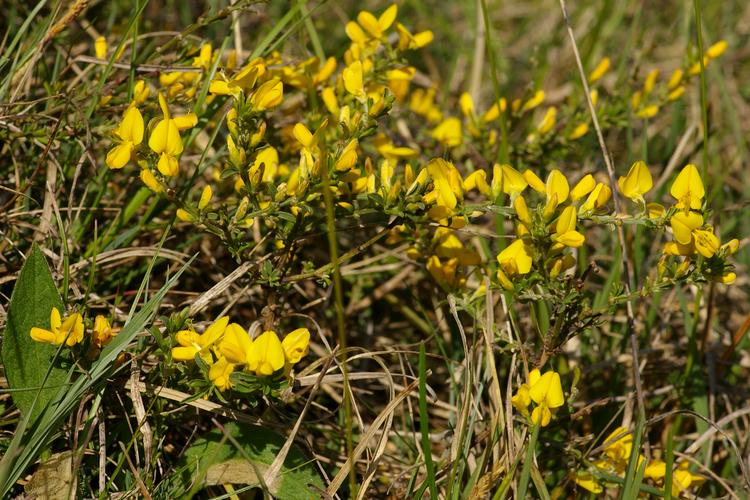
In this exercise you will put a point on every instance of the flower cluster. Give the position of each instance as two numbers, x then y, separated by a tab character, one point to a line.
543	389
227	347
69	330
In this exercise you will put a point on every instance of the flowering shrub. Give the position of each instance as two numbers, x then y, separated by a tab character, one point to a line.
343	209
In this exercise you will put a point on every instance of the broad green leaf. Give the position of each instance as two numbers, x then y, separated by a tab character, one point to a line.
215	460
26	361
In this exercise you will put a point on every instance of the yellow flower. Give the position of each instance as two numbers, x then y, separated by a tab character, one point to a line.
583	187
508	180
565	233
68	329
549	120
706	242
296	345
407	40
682	479
348	157
535	101
141	91
368	28
103	331
716	49
683	224
100	47
637	182
150	180
192	343
206	195
466	103
515	258
597	198
648	111
219	373
547	393
267	96
599	70
650	82
243	80
130	133
354	80
477	180
534	181
448	132
521	399
557	191
587	481
447	188
688	189
165	140
266	355
236	345
445	272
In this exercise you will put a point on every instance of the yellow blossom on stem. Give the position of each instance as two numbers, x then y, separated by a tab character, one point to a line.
266	355
354	80
688	188
103	331
296	345
508	180
583	187
100	47
565	233
219	373
547	393
535	101
637	182
130	133
683	224
191	343
599	70
407	40
448	132
548	122
165	140
68	330
597	198
515	258
268	96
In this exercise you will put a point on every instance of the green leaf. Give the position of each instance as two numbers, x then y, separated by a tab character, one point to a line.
27	362
215	459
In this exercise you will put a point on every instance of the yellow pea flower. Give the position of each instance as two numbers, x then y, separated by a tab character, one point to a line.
445	272
522	210
165	140
296	345
376	27
557	191
150	180
599	70
535	101
466	103
103	331
683	224
688	189
243	80
205	199
583	187
269	95
328	95
521	399
579	131
192	343
650	82
548	122
448	132
648	111
477	180
597	198
565	233
515	258
68	330
508	180
266	355
219	373
100	47
547	393
268	159
130	133
534	181
706	242
717	49
141	92
354	80
236	345
675	80
637	182
683	479
407	40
